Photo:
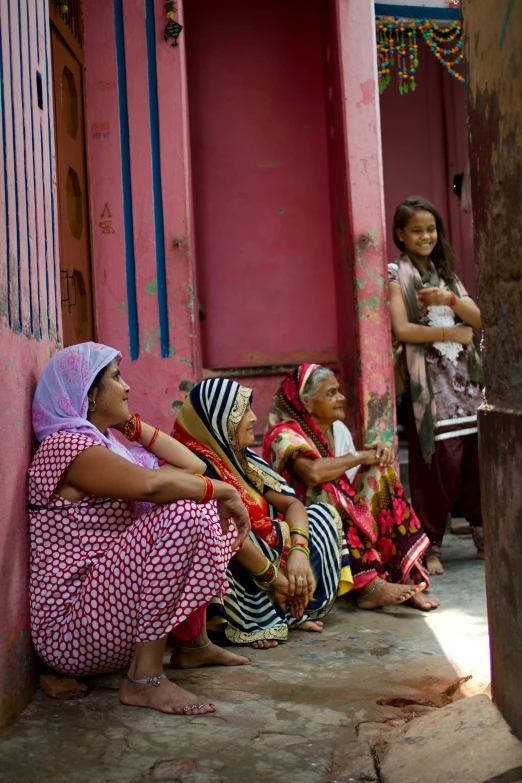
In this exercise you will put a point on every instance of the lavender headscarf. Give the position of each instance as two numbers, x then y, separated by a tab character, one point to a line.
60	401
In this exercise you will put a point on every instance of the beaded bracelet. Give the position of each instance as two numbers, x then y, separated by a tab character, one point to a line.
132	429
300	530
208	494
300	548
153	439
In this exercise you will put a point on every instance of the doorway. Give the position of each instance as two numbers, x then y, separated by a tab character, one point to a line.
71	171
261	189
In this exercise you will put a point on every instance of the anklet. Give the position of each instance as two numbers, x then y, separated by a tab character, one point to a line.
154	680
370	592
192	649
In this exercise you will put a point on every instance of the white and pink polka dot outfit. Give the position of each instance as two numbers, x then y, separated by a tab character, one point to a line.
102	578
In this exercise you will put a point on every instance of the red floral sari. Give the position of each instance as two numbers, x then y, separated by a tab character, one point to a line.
382	530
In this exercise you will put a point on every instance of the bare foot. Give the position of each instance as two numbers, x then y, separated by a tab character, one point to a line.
264	644
424	602
388	594
480	554
434	564
207	656
166	697
309	625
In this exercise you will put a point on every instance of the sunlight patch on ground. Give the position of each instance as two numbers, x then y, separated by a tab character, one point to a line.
464	640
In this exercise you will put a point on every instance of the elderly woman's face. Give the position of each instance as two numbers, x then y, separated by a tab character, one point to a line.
245	428
327	405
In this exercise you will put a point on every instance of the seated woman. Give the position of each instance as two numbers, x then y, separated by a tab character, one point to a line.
122	553
287	574
307	443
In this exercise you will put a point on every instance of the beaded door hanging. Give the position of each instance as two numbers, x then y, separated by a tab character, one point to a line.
397	46
172	28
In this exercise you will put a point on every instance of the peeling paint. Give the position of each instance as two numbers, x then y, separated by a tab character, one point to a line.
275	164
122	307
150	337
186	386
152	287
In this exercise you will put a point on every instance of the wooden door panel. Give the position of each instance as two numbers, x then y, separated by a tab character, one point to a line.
75	264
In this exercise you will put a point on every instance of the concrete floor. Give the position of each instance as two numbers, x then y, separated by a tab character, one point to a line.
304	711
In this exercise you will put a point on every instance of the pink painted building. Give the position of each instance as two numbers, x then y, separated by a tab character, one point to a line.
211	208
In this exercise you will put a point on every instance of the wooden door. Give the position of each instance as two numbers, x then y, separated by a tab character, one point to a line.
262	215
75	262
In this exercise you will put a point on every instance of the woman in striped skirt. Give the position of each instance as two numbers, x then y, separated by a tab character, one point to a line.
291	568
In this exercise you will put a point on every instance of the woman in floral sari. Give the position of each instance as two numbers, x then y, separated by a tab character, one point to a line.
308	444
288	572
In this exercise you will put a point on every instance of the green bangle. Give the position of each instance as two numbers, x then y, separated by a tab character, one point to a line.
301	549
301	532
265	569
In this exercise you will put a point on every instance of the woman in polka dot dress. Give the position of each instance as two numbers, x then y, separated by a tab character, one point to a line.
123	550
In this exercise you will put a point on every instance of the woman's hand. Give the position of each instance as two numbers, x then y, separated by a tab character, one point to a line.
121	426
299	573
460	334
385	455
434	296
231	509
280	591
368	456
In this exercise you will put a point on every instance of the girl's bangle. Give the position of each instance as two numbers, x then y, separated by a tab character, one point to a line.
208	494
153	439
132	429
453	299
299	548
300	530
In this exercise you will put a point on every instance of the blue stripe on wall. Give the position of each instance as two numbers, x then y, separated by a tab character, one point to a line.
159	233
417	11
5	20
15	308
46	243
37	327
128	227
25	99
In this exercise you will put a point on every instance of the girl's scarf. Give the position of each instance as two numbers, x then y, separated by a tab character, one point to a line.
289	412
60	401
424	407
207	424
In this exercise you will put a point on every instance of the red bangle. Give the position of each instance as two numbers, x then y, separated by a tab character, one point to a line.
209	489
153	439
453	299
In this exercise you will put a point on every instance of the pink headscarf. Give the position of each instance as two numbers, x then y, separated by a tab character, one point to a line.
60	401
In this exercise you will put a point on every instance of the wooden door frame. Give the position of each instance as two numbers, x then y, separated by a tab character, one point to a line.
57	22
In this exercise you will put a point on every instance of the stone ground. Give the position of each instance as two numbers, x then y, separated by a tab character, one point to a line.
308	711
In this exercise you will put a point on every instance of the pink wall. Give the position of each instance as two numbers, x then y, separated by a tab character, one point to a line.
367	251
260	179
29	313
424	144
143	261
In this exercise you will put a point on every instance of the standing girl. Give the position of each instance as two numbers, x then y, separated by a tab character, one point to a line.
434	316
